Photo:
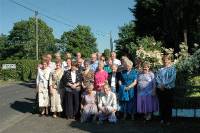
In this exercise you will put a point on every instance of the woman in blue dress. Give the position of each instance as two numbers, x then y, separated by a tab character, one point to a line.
127	83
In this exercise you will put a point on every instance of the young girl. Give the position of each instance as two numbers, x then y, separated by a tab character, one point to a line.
88	104
42	87
55	91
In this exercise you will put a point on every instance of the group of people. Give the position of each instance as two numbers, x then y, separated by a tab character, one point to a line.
104	89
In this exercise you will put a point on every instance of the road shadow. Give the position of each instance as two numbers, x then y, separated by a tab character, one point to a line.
29	84
24	106
138	126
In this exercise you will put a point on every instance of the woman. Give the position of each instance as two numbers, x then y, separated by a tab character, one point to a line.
55	91
72	84
146	100
88	104
87	75
127	83
165	79
113	79
108	65
100	77
107	105
42	88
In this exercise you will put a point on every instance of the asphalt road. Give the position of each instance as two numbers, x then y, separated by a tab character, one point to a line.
16	116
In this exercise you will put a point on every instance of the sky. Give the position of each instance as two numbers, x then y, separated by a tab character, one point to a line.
103	16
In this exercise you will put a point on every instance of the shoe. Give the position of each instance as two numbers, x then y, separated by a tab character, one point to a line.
148	117
132	117
54	116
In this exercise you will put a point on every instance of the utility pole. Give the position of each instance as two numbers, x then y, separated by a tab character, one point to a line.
111	42
36	33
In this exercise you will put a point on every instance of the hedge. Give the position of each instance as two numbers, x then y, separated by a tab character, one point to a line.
25	70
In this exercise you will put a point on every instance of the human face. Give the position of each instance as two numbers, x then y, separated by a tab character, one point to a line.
145	68
113	55
78	55
69	62
44	65
86	65
90	89
93	57
58	66
106	90
49	57
100	66
129	67
166	61
79	62
114	68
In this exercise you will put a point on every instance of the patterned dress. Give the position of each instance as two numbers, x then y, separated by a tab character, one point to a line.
42	84
146	101
89	106
87	77
54	81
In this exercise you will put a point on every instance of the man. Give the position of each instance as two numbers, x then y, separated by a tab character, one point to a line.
107	105
50	64
94	62
114	59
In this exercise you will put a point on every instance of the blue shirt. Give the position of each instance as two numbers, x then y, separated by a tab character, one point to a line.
166	76
94	66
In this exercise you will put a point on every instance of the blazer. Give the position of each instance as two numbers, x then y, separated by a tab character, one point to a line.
67	78
116	81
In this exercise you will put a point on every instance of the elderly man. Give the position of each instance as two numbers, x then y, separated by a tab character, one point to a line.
94	62
107	105
114	59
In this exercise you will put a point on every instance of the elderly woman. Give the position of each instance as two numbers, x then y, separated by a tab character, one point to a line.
165	79
71	81
127	83
42	87
100	77
55	91
113	78
107	105
87	75
147	102
88	104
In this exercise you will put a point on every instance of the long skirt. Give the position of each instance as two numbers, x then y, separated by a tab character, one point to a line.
56	102
43	96
72	103
128	106
147	104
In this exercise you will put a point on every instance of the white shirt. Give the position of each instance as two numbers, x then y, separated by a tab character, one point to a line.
73	75
117	62
113	83
109	100
52	66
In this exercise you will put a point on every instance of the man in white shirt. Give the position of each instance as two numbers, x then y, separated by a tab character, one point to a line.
114	59
107	105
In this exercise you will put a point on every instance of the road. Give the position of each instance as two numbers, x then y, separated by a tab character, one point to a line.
16	102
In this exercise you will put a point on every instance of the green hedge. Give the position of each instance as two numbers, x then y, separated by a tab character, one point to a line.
25	70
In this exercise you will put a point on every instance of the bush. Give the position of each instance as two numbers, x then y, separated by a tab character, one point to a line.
25	70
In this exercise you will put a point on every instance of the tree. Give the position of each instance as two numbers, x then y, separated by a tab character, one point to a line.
22	39
170	21
126	44
106	53
3	42
81	40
